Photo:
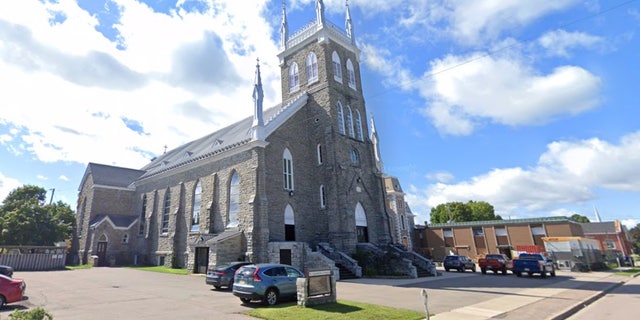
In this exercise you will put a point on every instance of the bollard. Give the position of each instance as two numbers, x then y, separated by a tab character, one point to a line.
423	293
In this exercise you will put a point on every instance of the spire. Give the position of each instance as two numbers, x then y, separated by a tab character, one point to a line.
376	145
348	25
258	96
597	214
284	28
320	12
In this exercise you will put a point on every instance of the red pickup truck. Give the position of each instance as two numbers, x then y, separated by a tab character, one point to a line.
495	263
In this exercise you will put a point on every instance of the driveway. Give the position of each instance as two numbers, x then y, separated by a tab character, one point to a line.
122	293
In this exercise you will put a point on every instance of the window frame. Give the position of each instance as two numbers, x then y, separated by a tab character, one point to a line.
341	126
351	75
166	212
349	116
311	67
196	207
294	78
337	67
358	123
287	170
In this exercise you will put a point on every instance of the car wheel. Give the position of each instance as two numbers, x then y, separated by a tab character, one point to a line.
504	271
474	269
217	287
271	297
245	300
2	301
446	269
543	274
461	269
553	273
518	274
230	284
483	270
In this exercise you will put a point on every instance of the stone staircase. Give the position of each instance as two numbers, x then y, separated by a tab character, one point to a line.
345	274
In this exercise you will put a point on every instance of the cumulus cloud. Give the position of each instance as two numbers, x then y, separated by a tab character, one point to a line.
7	184
566	173
132	84
516	95
561	42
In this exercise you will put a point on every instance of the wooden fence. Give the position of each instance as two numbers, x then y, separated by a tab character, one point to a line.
31	258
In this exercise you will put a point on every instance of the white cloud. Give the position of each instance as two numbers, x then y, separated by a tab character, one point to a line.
560	42
461	99
7	185
567	173
150	81
63	178
630	223
41	177
440	176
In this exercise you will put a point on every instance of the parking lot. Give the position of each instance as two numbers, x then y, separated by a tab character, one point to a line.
123	293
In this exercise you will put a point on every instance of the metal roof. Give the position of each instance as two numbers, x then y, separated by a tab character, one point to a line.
502	222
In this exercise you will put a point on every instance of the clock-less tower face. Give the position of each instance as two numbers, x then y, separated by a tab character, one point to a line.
322	61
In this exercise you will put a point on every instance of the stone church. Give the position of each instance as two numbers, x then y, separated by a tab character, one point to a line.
298	183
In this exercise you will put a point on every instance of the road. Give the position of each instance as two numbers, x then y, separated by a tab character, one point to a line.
621	303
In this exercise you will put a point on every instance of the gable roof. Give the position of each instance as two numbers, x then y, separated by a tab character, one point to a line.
111	176
223	140
116	221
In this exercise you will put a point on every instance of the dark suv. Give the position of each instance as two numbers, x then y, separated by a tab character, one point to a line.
460	263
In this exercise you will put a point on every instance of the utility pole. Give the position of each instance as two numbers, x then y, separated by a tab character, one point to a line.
53	190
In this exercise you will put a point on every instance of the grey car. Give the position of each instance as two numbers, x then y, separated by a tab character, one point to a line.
268	283
222	275
460	263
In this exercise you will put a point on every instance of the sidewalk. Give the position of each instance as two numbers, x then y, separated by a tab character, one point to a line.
554	302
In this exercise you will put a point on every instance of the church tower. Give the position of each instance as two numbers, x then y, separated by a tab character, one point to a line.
322	61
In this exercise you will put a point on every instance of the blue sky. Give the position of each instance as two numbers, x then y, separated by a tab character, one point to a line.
528	105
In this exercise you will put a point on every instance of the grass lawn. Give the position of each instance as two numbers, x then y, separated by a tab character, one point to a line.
80	266
629	272
161	269
340	310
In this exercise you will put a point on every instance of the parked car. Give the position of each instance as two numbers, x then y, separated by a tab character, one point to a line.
532	263
11	290
495	263
222	275
460	263
266	282
6	270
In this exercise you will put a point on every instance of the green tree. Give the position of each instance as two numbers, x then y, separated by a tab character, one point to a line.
25	219
459	212
579	218
635	238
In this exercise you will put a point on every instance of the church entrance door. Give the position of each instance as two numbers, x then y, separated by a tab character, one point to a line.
102	253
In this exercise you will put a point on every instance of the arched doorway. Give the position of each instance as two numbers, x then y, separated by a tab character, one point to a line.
289	224
362	233
101	250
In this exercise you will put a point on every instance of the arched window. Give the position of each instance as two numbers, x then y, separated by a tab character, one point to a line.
323	197
312	67
166	211
350	123
319	153
337	67
351	75
359	134
355	157
143	212
361	224
195	209
294	81
234	200
287	170
289	224
340	119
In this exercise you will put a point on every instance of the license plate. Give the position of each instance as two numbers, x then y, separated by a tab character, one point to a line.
526	269
241	282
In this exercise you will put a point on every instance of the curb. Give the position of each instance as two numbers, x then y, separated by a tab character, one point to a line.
577	307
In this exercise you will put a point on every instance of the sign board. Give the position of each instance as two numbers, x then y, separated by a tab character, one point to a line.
319	282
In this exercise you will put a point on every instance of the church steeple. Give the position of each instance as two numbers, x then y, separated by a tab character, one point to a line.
348	25
284	28
320	12
376	145
258	96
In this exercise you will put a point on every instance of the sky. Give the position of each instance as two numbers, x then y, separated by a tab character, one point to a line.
527	105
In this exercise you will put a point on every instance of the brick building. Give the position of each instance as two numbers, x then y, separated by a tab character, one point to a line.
271	187
477	238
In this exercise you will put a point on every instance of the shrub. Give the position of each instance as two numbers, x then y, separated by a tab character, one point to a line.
35	314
